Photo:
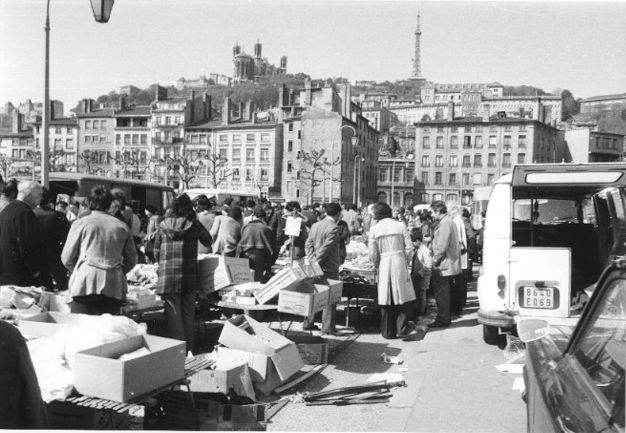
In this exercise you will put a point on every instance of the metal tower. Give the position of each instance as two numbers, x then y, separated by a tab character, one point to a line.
417	69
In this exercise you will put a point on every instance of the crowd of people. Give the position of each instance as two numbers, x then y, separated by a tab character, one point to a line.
88	246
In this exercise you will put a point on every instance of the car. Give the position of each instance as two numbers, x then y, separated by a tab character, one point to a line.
549	232
574	379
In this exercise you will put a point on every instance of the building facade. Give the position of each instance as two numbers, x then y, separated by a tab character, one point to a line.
249	68
96	147
453	156
587	145
603	103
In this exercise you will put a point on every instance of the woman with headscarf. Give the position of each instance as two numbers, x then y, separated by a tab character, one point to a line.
390	249
176	250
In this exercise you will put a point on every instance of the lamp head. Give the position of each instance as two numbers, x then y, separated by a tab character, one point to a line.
102	10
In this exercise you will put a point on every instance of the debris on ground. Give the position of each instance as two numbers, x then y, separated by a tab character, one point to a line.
391	359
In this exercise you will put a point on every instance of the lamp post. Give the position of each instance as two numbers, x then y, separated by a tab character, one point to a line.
356	193
354	140
101	13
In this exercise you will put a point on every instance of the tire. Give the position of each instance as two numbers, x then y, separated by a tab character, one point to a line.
491	335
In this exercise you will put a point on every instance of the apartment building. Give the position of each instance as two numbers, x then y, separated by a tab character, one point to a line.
95	138
457	154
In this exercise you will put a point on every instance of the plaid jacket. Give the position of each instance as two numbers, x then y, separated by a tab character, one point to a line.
176	250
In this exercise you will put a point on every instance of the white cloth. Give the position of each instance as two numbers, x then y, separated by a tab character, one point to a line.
389	249
462	237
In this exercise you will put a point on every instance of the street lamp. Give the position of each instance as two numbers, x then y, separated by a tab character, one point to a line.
354	141
356	194
101	13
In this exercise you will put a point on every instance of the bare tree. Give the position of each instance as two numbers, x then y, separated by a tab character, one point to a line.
128	159
185	165
217	170
90	158
5	165
312	163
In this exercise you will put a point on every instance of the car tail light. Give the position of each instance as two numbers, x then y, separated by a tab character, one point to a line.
501	285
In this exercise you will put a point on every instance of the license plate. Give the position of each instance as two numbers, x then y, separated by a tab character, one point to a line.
535	297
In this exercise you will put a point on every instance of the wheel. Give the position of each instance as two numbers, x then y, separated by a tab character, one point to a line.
491	335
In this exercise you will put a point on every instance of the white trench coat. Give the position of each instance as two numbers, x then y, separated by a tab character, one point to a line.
390	249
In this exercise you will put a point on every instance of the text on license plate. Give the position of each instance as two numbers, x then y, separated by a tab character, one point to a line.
533	297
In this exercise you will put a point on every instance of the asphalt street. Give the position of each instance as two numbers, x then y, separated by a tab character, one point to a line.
452	384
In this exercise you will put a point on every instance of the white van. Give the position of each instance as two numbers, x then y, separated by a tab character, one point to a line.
550	230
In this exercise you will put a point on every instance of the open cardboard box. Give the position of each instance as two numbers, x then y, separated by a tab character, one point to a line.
229	372
231	270
98	372
270	356
306	299
51	324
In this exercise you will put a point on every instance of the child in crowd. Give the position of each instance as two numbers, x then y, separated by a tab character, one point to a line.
421	269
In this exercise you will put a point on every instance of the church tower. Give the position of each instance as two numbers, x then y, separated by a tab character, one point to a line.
417	68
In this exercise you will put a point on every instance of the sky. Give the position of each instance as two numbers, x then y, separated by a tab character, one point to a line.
577	46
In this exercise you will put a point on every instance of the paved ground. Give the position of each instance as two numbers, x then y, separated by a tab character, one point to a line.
452	385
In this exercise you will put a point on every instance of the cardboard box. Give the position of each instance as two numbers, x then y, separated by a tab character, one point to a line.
303	299
207	265
313	350
51	324
336	290
229	373
98	372
283	279
231	270
265	351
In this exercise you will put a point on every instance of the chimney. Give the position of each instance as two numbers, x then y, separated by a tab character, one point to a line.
206	106
307	91
539	115
242	115
123	105
226	111
450	111
281	96
248	111
292	99
16	122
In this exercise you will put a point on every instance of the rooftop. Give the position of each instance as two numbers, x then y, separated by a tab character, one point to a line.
604	98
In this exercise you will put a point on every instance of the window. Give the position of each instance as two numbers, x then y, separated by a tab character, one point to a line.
224	153
127	139
68	130
467	142
299	133
176	120
249	174
223	139
236	155
521	141
466	161
451	197
58	130
103	124
382	174
249	155
408	174
440	129
118	139
477	179
87	124
425	161
289	167
426	143
144	139
291	127
465	179
479	129
437	196
468	129
236	173
453	161
265	155
264	174
478	160
506	160
491	160
290	146
439	144
439	161
522	127
250	138
58	144
69	143
425	178
493	141
438	178
236	138
454	142
96	124
478	142
507	142
424	198
143	156
396	175
265	137
157	136
454	129
135	139
168	120
507	127
452	179
490	178
521	158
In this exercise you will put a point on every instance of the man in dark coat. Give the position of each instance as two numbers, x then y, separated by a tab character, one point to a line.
322	245
259	245
21	406
20	241
54	228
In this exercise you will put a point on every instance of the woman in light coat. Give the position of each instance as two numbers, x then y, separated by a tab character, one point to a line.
390	249
99	251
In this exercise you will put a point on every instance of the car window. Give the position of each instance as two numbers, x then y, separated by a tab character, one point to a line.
545	211
601	350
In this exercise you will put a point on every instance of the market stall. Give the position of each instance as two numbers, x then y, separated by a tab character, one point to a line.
359	279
